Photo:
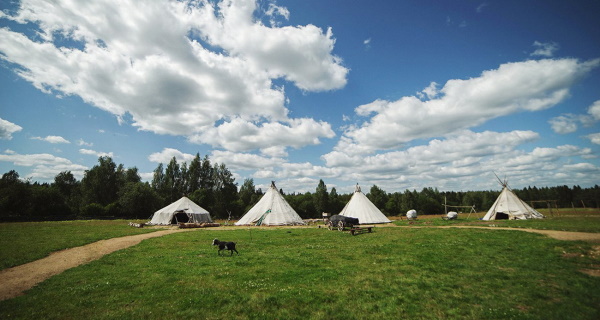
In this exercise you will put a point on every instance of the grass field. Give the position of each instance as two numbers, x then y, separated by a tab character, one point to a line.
310	273
580	220
22	242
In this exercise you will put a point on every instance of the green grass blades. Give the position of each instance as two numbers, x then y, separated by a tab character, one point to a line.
582	220
560	223
392	273
22	242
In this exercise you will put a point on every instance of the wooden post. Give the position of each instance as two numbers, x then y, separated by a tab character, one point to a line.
445	207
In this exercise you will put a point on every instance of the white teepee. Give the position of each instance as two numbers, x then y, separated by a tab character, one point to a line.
183	210
271	210
509	206
362	208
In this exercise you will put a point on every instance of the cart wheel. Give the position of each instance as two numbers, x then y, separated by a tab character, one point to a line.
341	226
329	225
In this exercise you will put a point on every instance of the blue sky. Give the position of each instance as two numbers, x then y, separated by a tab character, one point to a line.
398	94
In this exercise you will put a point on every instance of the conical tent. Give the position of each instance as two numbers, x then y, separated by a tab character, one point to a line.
182	210
362	208
509	206
271	210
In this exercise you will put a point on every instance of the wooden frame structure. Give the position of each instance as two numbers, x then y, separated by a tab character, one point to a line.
446	206
551	204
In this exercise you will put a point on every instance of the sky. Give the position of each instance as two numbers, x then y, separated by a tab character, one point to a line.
402	94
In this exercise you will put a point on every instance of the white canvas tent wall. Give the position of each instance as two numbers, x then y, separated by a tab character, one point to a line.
271	210
362	208
509	204
194	213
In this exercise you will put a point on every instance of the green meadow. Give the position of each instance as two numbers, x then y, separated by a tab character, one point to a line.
313	273
580	220
22	242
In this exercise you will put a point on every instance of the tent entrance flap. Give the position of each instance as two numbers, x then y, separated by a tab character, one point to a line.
262	218
180	217
501	216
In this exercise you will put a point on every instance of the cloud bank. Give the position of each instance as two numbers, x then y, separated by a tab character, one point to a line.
45	166
216	72
461	104
181	68
7	129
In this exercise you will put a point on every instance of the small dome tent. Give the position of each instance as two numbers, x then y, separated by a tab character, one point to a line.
182	210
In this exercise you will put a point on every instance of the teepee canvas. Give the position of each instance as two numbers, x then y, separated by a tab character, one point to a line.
182	210
362	208
509	206
271	210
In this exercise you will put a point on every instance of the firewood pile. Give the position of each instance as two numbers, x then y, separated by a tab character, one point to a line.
137	225
197	225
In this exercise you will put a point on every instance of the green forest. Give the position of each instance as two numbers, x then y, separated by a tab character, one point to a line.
111	191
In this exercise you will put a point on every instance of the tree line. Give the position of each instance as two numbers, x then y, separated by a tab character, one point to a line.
109	191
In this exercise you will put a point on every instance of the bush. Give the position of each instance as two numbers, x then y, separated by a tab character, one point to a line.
93	210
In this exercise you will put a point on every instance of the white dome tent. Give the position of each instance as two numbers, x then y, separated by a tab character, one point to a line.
271	210
182	210
362	208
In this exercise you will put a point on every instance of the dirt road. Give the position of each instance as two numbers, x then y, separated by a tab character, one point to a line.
559	235
20	278
15	281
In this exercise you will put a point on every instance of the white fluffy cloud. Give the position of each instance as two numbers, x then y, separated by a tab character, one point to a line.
463	145
301	54
594	110
7	128
52	139
45	166
455	163
167	154
295	171
277	151
564	124
594	138
462	104
430	92
177	67
241	135
96	153
568	123
81	142
544	49
245	161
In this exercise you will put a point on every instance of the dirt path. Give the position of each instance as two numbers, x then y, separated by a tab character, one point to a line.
15	281
20	278
559	235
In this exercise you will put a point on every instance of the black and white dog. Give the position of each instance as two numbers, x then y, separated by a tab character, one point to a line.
224	245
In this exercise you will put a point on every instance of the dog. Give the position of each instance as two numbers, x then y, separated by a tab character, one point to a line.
225	245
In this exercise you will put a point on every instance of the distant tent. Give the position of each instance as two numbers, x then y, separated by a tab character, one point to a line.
181	211
362	208
271	210
509	206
